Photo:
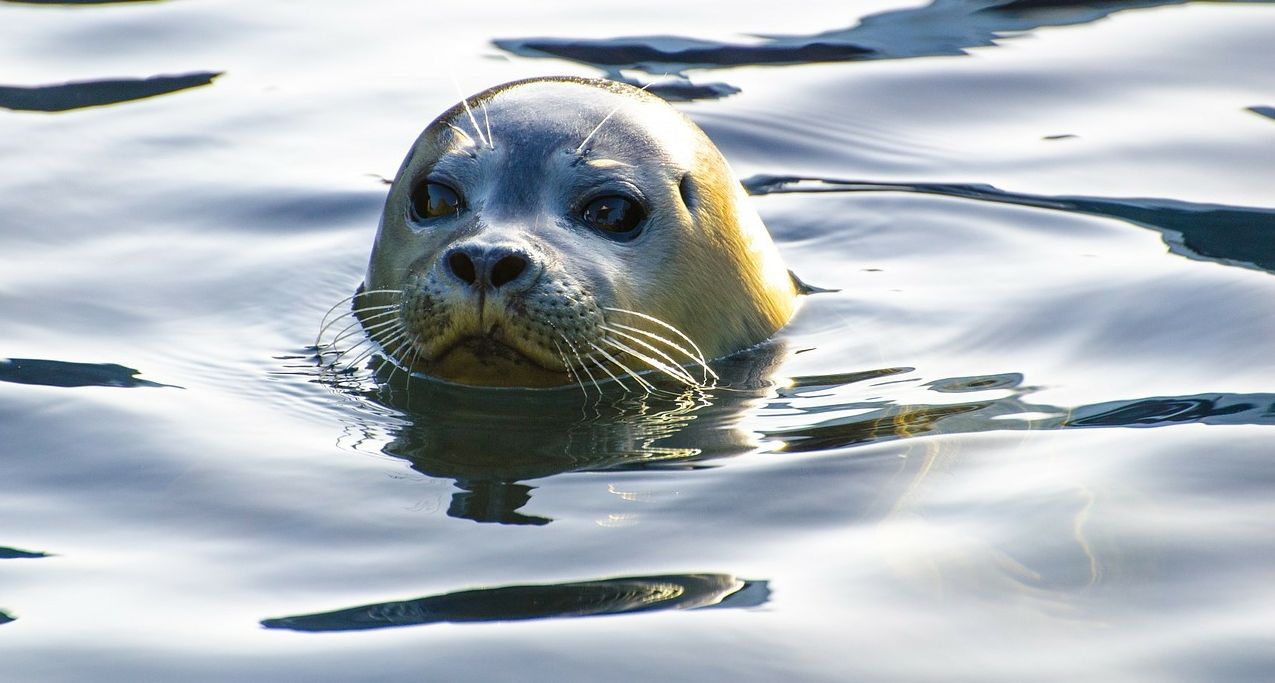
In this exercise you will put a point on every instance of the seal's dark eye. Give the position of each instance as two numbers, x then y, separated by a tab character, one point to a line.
432	200
615	216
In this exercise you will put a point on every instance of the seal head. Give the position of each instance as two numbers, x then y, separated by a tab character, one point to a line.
553	231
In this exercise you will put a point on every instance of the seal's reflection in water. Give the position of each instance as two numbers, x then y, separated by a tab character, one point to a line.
598	597
490	441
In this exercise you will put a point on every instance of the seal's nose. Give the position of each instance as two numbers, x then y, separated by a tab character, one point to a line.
493	266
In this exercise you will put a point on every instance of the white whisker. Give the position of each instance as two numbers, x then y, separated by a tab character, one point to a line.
349	330
462	132
604	120
673	366
491	142
583	366
610	374
465	101
324	322
383	345
570	373
655	364
645	384
698	353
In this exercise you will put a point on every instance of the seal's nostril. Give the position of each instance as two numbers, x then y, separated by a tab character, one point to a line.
507	270
462	267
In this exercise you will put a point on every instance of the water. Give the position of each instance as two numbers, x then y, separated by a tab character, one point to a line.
1028	437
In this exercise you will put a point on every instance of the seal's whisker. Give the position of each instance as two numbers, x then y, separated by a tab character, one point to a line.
394	332
583	365
330	350
491	142
598	127
575	376
398	347
384	345
604	368
416	355
394	338
599	365
394	310
350	330
468	110
698	353
659	338
645	384
675	373
324	323
673	366
356	295
408	365
335	360
368	325
386	309
461	131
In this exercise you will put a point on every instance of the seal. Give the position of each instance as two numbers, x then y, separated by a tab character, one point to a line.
554	231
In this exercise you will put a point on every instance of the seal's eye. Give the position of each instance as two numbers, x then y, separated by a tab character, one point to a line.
432	200
615	216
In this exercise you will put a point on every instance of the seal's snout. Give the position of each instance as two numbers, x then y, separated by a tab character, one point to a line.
489	266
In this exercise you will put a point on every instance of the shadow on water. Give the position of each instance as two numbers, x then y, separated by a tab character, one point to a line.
599	597
883	420
78	2
83	94
941	28
1231	235
490	443
56	373
15	554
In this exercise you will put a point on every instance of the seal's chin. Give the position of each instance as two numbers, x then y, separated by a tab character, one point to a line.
483	361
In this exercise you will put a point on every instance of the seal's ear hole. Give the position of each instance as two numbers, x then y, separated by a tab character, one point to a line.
686	187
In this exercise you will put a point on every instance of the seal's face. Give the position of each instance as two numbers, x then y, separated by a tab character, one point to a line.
549	230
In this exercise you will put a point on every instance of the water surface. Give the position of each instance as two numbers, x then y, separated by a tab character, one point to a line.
1027	437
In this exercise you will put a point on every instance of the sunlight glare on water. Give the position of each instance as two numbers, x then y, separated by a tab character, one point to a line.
1026	437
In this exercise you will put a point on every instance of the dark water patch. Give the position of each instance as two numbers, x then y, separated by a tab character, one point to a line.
887	423
806	382
942	28
1150	412
1261	110
956	385
1231	235
78	2
883	420
626	595
651	53
804	287
496	502
83	94
684	89
56	373
15	554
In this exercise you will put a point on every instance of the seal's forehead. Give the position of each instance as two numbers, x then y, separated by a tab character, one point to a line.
554	115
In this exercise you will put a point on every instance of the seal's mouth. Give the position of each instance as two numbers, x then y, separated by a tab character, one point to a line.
486	360
485	346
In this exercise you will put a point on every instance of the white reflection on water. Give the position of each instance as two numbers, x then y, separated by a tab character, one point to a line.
1020	442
